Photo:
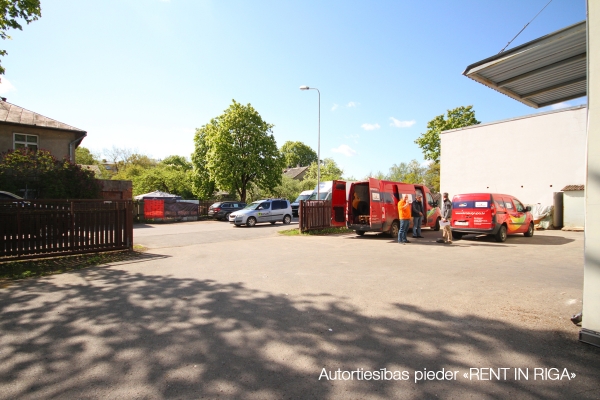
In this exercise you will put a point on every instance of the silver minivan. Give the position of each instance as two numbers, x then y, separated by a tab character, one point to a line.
268	210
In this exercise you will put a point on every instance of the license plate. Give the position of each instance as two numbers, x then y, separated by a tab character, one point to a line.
461	223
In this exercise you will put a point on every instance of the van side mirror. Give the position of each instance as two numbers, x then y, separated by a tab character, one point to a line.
528	208
435	203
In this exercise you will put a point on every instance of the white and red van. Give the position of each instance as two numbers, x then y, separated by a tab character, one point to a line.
492	214
372	206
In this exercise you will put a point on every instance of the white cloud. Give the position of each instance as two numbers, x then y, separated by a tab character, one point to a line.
345	150
6	86
558	106
402	124
370	127
352	104
335	107
352	136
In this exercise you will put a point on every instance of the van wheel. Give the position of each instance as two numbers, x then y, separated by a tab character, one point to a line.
457	235
251	222
394	229
501	234
287	220
436	227
530	230
360	233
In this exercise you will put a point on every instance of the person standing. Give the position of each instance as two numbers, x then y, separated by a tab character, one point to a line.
417	216
404	211
446	217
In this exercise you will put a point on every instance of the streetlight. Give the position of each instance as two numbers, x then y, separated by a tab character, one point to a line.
318	142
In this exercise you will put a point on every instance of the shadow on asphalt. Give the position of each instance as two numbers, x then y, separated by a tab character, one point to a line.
472	240
142	226
133	335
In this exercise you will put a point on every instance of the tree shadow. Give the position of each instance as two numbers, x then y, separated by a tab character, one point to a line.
111	333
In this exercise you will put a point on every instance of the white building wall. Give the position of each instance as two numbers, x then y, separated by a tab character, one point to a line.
573	209
529	157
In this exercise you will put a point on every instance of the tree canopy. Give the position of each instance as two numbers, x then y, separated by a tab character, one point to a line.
236	149
297	154
11	11
84	156
40	174
329	171
429	142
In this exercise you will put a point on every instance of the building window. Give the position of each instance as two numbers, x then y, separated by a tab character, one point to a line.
25	141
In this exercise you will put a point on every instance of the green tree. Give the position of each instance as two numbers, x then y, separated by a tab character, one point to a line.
239	149
432	177
164	178
40	173
13	10
84	156
411	172
202	184
429	142
297	154
329	171
289	188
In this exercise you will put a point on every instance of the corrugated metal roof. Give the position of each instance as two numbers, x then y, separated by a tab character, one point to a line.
18	115
572	188
545	71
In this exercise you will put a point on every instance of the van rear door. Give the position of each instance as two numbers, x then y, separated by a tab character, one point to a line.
473	212
338	203
375	209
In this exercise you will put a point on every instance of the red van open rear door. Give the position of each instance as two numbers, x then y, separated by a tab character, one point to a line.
338	203
375	212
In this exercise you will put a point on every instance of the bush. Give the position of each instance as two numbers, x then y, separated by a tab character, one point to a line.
41	173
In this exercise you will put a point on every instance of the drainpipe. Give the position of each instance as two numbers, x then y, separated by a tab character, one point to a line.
72	147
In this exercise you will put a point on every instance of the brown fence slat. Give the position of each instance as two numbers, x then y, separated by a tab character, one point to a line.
42	228
314	214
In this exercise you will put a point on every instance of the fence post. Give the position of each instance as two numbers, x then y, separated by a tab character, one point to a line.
129	223
72	235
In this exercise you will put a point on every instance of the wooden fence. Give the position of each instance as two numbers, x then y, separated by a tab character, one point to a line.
314	214
44	228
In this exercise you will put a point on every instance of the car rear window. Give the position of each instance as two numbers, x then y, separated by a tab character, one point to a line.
471	204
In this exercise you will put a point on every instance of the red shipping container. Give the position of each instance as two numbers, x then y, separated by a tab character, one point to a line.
154	208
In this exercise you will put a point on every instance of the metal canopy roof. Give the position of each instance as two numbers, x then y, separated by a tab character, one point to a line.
539	73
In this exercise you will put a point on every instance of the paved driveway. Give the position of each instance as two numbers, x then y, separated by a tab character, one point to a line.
214	311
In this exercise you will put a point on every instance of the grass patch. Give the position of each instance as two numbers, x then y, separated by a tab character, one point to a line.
318	232
10	270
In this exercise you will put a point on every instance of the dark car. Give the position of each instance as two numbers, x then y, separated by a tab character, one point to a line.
222	209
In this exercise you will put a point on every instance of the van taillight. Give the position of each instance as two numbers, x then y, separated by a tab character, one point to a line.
493	208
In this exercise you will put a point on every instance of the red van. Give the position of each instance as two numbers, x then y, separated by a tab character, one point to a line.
492	214
372	206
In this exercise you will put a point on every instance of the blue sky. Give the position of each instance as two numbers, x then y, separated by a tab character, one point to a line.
143	74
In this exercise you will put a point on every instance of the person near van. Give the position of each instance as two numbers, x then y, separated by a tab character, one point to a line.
417	216
446	216
404	212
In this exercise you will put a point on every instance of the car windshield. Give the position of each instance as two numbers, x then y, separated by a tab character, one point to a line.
253	206
302	197
322	196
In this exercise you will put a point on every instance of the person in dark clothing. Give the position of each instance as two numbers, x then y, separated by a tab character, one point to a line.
417	216
445	223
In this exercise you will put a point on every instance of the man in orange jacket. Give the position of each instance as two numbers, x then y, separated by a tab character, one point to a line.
404	214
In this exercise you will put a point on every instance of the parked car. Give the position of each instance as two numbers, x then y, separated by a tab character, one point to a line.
268	210
296	204
493	214
222	209
9	196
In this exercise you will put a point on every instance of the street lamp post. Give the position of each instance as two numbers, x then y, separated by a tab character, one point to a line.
318	142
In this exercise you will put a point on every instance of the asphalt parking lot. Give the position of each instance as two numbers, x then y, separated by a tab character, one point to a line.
213	311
